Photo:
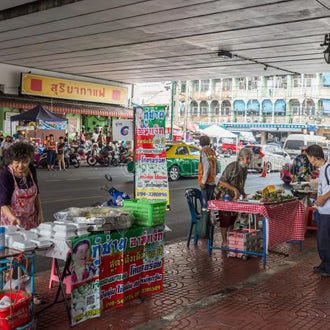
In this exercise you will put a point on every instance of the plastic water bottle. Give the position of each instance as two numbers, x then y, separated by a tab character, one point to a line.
2	238
226	198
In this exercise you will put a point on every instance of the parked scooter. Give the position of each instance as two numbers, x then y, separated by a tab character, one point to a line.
101	157
74	159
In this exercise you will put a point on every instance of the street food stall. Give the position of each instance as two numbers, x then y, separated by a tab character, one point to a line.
282	221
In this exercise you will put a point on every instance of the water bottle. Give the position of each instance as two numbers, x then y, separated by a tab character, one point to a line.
2	238
226	198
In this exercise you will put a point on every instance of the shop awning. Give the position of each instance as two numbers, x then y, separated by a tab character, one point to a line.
84	108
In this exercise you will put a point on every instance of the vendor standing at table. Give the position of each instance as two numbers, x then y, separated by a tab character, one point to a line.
315	155
19	193
302	169
207	168
232	183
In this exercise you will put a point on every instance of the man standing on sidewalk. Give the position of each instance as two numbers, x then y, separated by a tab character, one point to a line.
315	155
207	168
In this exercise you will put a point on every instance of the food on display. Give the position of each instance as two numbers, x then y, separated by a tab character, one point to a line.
276	196
98	218
24	246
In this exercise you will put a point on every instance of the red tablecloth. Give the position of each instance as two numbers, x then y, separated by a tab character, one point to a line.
285	220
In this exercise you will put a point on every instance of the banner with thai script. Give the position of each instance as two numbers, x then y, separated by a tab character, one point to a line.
122	130
52	124
108	270
151	176
131	265
72	89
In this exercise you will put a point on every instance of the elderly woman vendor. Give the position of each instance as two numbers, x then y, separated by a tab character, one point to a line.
19	193
232	182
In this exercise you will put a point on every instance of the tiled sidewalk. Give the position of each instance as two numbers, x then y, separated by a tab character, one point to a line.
219	293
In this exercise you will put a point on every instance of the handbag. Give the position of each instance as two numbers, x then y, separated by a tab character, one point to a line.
203	224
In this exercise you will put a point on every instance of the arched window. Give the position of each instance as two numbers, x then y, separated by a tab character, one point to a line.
193	108
267	107
204	108
225	108
215	108
280	108
239	107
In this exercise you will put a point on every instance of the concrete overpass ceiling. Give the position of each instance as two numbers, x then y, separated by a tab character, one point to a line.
157	40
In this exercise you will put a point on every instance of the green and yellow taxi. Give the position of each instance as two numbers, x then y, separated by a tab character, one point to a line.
182	160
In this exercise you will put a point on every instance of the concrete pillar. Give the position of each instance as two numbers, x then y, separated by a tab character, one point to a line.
263	137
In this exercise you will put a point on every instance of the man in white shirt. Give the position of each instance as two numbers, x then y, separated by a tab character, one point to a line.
315	155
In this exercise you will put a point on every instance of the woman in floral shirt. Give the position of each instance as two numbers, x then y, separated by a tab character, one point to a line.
302	169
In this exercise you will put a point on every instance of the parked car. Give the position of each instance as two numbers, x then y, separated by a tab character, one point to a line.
182	160
229	146
273	156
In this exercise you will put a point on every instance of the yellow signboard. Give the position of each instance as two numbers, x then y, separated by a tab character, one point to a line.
72	90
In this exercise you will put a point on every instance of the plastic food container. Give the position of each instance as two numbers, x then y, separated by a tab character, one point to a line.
46	225
63	227
12	238
46	233
28	235
65	234
24	246
42	243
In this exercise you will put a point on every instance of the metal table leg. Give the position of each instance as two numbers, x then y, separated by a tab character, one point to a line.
61	287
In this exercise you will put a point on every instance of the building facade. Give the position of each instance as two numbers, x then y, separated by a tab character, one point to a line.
288	103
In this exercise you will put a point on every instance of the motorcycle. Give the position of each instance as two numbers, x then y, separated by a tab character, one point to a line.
43	161
114	158
74	159
101	157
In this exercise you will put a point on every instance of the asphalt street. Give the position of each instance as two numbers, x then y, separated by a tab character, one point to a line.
85	186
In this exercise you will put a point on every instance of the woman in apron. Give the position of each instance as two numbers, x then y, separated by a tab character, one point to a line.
19	194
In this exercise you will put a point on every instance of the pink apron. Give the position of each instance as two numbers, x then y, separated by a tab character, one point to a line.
23	205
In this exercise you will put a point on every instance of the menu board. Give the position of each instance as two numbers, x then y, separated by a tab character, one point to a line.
151	176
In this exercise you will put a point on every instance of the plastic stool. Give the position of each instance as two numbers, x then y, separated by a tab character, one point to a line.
54	278
309	218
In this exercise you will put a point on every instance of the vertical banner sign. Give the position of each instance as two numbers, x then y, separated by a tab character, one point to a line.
151	178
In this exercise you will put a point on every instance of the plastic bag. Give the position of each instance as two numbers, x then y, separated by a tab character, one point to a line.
203	224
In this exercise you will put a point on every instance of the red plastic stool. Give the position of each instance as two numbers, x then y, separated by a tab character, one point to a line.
309	218
54	278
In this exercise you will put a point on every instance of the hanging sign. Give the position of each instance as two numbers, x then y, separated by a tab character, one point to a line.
52	124
151	177
122	130
72	89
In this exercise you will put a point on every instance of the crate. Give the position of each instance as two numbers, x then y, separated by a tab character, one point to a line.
146	213
21	313
244	240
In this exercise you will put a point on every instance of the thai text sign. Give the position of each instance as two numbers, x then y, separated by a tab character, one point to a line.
108	270
122	130
151	179
72	90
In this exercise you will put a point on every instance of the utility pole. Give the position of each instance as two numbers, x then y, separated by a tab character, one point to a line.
172	107
186	109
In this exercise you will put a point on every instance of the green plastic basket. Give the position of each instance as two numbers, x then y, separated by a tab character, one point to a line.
146	213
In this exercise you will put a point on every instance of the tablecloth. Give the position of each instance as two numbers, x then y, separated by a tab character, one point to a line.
285	220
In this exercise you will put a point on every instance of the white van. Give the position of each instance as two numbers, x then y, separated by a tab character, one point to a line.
294	142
